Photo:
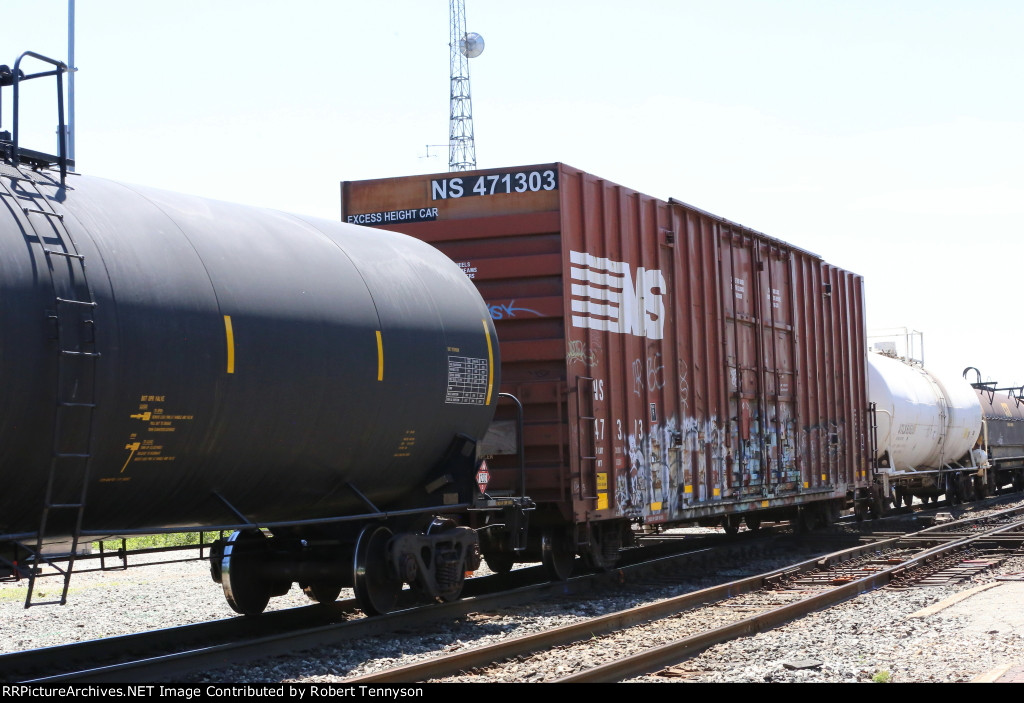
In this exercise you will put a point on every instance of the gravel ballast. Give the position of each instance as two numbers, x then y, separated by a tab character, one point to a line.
882	636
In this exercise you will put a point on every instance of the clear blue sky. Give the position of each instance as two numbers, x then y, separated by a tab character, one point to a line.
887	136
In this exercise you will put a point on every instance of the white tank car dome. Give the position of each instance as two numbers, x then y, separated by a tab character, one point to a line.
925	420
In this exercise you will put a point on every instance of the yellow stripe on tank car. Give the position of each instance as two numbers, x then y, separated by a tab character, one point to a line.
490	363
231	343
380	357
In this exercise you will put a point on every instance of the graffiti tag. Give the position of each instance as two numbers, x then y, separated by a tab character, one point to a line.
581	353
500	311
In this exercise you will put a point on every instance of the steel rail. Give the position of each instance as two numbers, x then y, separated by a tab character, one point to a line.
456	662
206	658
199	647
675	652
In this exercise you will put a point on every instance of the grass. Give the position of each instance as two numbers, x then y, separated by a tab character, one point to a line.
175	539
881	677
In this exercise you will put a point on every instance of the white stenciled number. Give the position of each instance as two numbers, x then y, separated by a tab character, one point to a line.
599	430
549	180
618	430
480	188
520	182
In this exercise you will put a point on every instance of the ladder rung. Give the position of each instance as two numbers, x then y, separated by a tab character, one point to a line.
71	455
68	352
64	253
62	506
77	405
43	212
84	322
88	303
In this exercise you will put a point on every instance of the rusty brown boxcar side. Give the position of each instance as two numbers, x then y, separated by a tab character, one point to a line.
673	366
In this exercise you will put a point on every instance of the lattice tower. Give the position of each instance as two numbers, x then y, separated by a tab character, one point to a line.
461	145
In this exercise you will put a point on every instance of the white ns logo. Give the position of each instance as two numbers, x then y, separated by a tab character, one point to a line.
605	297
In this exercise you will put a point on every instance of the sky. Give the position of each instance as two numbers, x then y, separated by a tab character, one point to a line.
885	136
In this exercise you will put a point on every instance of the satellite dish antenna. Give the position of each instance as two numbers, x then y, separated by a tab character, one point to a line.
471	45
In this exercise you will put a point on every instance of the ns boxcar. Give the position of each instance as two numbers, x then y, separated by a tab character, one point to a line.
673	366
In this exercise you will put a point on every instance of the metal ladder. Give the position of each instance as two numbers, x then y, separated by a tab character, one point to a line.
74	339
586	440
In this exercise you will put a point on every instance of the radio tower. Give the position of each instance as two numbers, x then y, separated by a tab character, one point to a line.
463	46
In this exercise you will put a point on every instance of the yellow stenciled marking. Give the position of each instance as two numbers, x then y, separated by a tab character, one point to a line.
490	363
380	357
231	343
134	447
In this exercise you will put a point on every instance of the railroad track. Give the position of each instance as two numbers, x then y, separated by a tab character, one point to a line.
937	554
180	651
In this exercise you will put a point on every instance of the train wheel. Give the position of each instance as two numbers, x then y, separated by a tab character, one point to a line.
558	552
246	593
500	562
322	592
731	524
604	550
980	487
878	505
825	516
804	520
376	588
967	487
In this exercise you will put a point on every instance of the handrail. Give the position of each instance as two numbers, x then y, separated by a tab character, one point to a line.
16	78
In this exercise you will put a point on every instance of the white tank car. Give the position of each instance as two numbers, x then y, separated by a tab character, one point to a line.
925	421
